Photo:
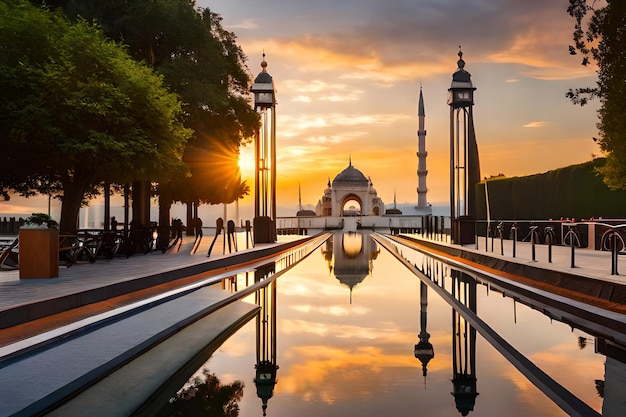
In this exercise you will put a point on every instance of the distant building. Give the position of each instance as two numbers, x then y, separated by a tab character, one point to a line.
394	211
303	212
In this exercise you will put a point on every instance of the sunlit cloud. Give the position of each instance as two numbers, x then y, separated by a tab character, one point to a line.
244	24
312	57
292	288
541	53
332	310
323	139
299	151
311	121
536	124
336	98
357	373
512	80
301	99
314	86
319	127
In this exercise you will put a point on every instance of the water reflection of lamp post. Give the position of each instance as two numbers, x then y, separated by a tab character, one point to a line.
265	158
266	367
464	166
424	349
464	345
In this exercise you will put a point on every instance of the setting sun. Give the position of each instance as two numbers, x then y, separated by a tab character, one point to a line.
246	162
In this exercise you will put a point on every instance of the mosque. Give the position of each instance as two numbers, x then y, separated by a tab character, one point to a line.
351	193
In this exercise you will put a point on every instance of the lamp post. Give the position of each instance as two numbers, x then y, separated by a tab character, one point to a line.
265	158
464	165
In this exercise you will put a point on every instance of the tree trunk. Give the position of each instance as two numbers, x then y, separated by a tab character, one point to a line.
189	217
70	208
165	206
74	188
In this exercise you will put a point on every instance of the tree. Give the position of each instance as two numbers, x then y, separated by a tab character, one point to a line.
206	396
604	42
203	64
77	110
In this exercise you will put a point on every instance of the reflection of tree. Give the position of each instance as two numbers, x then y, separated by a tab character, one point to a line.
207	396
600	387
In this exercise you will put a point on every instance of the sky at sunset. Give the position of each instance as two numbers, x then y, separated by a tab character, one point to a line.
348	76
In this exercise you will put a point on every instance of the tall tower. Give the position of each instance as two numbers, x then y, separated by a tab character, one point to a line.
464	164
422	172
265	158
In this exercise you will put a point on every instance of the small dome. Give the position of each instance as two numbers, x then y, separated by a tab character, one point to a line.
393	211
351	176
461	78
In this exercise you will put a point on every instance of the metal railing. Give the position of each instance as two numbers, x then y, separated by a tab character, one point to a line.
605	235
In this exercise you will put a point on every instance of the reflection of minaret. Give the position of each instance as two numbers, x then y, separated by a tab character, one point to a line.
464	345
424	349
266	368
422	172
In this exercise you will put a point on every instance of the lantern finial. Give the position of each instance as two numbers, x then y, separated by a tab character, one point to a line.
460	62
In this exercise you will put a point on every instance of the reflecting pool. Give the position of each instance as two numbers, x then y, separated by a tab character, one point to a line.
350	331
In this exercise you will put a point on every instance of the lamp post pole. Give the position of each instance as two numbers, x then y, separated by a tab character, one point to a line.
265	158
464	166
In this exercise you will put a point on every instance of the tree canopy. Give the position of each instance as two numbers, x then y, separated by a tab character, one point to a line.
76	110
200	61
600	36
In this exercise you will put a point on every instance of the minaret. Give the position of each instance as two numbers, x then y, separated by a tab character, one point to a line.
421	155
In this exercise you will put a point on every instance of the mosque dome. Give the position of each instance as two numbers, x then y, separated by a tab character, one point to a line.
351	176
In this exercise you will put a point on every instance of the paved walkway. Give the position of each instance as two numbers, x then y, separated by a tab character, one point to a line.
23	300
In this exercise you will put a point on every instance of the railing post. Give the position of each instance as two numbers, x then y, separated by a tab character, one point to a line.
614	253
548	232
514	230
571	233
533	233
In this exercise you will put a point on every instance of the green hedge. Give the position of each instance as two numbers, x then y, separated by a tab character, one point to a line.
573	191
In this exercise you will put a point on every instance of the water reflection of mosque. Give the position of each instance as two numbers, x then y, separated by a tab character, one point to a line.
464	289
352	258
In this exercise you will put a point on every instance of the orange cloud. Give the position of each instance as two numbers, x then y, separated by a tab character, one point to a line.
536	124
542	50
312	56
357	373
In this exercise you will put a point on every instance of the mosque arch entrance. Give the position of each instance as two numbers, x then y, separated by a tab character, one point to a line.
351	206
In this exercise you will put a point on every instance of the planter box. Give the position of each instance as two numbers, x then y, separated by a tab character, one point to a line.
39	253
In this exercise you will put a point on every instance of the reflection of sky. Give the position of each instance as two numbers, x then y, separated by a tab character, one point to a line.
339	359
